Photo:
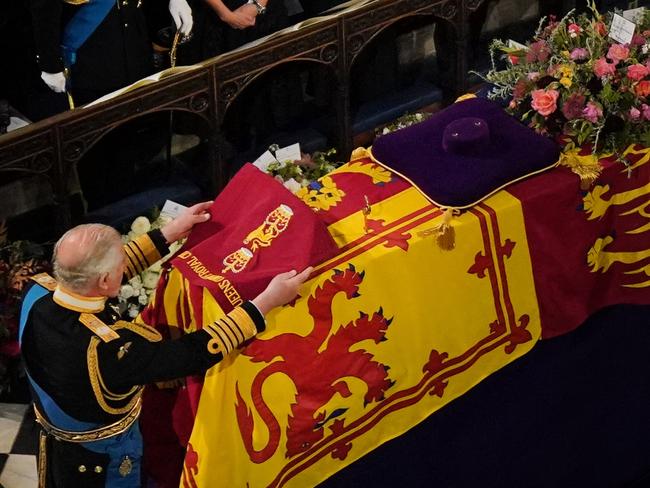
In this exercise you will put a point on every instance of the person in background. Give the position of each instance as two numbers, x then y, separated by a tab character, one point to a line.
87	368
103	45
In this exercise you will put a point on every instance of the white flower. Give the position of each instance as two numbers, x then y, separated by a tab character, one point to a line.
134	310
162	220
126	291
140	225
418	117
645	48
143	299
149	279
292	185
175	246
385	131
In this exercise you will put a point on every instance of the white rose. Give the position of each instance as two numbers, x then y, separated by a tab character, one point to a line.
133	311
126	291
418	116
292	185
143	299
385	131
149	279
141	225
645	48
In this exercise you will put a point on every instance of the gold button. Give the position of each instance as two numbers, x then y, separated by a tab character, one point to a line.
82	468
98	469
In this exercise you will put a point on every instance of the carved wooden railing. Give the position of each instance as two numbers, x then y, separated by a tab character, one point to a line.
54	146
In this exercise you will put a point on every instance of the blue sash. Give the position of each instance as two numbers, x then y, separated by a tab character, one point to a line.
81	26
128	443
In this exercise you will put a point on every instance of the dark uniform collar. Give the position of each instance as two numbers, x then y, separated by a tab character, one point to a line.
79	303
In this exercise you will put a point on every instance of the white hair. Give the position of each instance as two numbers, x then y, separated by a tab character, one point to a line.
99	251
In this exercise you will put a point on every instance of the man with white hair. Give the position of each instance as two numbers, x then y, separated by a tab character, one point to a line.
87	368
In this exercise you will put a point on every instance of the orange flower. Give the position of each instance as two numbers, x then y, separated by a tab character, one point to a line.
642	89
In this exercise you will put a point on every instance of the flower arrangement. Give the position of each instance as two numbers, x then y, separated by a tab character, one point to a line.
300	173
136	294
575	83
19	260
405	120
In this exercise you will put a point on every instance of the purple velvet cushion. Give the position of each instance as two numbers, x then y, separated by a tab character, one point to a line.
465	152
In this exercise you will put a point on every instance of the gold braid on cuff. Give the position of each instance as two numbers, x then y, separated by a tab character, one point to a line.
230	332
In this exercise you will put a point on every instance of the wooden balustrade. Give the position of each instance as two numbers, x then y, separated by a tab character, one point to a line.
54	146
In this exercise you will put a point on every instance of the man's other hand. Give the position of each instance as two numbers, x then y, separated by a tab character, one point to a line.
281	290
55	81
182	15
182	225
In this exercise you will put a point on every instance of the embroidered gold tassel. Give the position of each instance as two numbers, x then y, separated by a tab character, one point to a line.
587	167
587	175
445	233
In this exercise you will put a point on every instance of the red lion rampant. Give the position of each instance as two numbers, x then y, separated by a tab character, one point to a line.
317	372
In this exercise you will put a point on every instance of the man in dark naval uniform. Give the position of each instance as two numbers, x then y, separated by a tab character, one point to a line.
103	43
86	368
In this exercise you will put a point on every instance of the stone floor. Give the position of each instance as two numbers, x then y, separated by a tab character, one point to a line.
18	446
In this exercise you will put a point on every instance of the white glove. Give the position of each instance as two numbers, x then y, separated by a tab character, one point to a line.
182	15
56	81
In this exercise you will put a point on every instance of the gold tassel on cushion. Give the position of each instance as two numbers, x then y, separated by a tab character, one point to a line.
444	232
587	167
359	153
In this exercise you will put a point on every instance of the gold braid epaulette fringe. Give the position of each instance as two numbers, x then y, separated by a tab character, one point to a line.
229	332
141	253
102	393
100	433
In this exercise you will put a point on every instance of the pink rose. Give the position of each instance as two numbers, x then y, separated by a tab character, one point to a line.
579	54
618	52
645	110
574	30
602	68
637	72
545	101
592	112
635	113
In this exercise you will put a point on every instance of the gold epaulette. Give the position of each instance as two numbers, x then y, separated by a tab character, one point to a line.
98	327
45	280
